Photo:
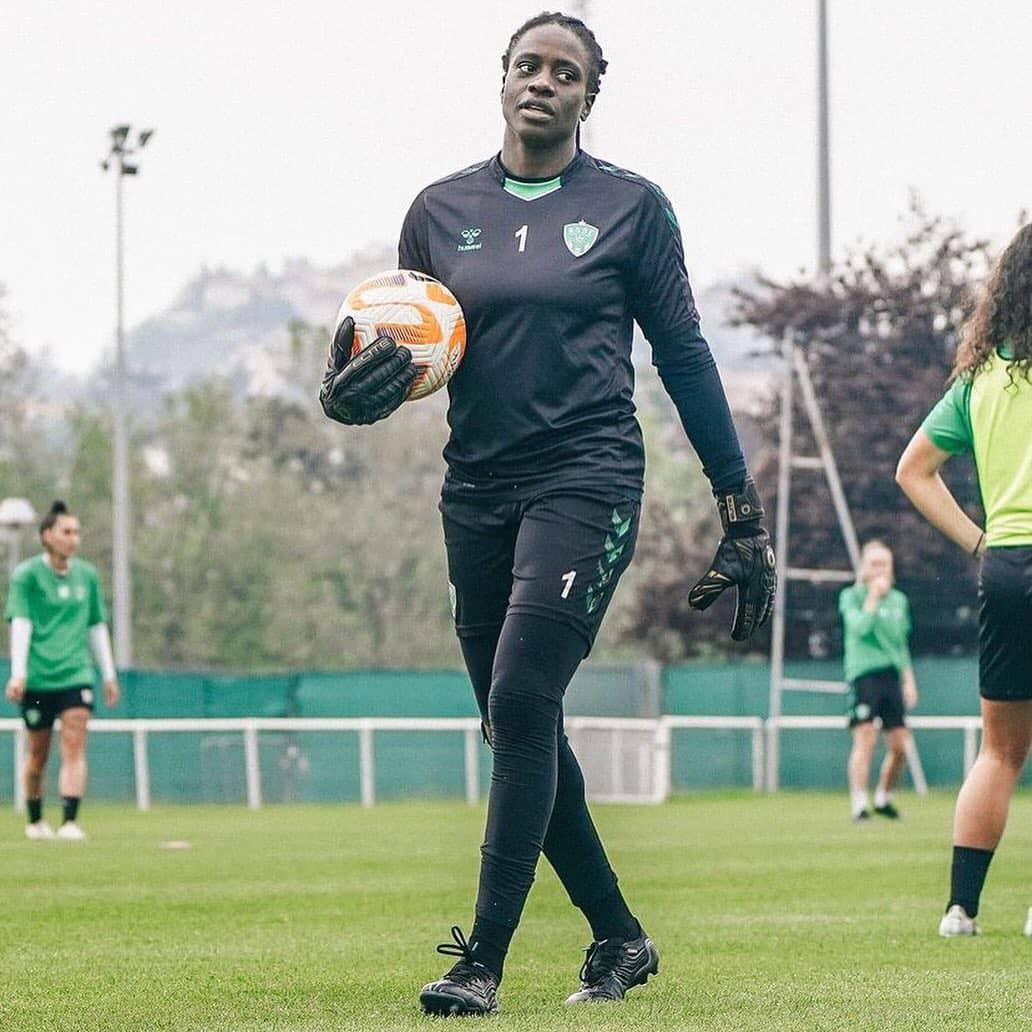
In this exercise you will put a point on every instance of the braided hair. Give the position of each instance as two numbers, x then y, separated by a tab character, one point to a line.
598	63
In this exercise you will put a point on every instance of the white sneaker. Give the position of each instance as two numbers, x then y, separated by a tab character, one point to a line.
1028	923
38	831
954	922
71	832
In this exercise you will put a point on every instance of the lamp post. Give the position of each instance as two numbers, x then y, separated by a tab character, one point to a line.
15	515
823	148
121	161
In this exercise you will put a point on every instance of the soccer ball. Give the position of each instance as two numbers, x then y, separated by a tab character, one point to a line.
415	310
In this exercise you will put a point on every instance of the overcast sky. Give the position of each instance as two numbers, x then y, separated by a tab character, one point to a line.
305	129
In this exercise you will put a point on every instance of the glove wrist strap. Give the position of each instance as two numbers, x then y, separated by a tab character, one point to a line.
741	510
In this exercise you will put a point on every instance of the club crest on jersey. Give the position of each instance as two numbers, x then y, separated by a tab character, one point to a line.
471	237
579	237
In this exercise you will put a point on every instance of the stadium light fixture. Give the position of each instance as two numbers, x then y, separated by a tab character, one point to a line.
121	594
16	514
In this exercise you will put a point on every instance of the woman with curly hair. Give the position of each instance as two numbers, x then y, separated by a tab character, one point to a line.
988	410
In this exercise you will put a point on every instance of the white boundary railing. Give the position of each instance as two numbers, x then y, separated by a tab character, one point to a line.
655	734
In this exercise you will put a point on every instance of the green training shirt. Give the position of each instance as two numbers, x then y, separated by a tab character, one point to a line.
62	609
874	641
991	416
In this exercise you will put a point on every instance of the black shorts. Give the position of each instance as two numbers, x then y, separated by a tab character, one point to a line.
39	710
1005	624
877	694
558	556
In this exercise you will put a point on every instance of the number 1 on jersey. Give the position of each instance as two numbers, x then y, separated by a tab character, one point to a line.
568	579
521	236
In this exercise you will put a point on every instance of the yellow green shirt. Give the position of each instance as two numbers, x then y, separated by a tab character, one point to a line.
990	415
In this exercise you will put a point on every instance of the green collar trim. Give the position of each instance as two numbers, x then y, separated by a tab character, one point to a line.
532	191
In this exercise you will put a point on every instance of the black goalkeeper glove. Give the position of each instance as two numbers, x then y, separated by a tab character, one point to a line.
368	387
744	559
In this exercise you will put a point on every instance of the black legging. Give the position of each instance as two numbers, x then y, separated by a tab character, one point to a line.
536	802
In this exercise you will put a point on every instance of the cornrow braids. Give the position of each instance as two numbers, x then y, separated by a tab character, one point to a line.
598	64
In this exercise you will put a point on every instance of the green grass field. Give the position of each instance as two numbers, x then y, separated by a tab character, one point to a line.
769	913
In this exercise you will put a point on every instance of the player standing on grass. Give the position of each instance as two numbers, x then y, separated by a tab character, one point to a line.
56	614
553	255
988	411
876	625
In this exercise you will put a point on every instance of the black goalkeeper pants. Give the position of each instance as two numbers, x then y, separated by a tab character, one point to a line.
531	582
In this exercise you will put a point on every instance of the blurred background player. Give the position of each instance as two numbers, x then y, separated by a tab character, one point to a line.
545	467
876	626
57	619
987	410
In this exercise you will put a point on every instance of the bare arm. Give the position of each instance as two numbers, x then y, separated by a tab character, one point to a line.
909	684
918	475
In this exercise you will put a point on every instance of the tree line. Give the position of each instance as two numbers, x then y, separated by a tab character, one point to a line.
266	537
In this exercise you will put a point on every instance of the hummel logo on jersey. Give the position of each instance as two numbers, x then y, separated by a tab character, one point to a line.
472	238
579	237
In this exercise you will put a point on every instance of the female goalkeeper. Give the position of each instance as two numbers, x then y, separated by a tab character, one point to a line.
988	411
554	255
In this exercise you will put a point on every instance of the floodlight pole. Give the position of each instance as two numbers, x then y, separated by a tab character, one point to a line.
795	367
121	538
823	148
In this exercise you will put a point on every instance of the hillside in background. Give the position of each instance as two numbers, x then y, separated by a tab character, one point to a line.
235	325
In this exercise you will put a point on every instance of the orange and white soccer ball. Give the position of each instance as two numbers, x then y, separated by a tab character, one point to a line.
415	310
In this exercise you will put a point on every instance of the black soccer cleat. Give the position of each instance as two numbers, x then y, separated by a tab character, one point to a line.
888	810
861	816
612	967
468	989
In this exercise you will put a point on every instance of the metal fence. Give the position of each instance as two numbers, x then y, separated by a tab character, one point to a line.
624	759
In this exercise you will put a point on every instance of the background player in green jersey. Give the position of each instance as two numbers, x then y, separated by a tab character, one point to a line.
57	620
988	411
876	625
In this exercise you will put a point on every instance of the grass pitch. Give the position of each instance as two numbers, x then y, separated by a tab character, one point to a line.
769	913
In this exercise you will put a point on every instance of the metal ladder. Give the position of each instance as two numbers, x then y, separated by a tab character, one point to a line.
797	369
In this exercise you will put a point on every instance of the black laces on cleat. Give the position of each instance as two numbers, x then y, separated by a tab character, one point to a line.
466	970
612	966
600	960
469	988
458	948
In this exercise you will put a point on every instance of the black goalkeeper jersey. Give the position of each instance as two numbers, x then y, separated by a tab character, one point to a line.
550	288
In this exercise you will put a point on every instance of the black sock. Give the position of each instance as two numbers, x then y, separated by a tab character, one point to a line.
489	943
967	877
35	810
71	807
610	918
